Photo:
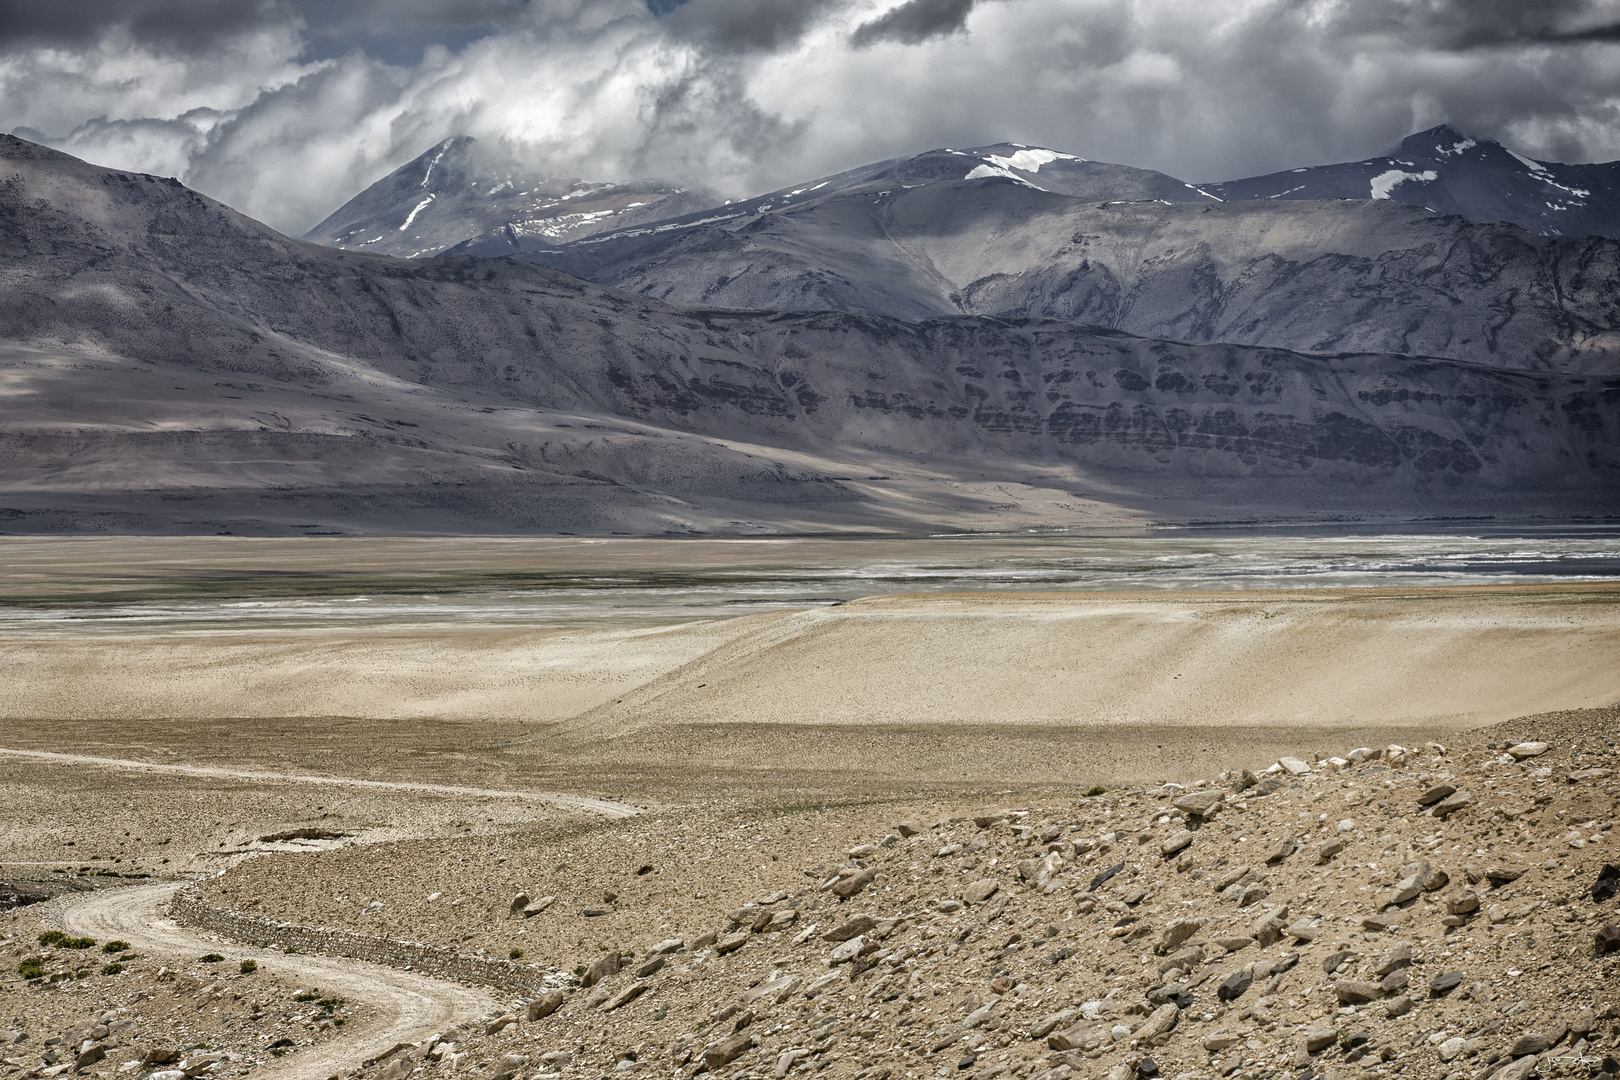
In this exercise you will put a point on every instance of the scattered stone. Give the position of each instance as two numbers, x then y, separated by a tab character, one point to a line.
851	886
1327	849
1287	847
1319	1039
607	964
1500	873
980	891
852	928
1404	890
1607	939
544	1005
1525	750
1159	1022
1452	1048
519	902
1537	1042
1357	992
1520	1069
730	944
1398	956
1451	804
1436	793
1293	766
908	829
1607	884
1463	903
1177	932
1105	877
1200	804
726	1051
1445	983
1235	985
626	996
1176	841
1397	1006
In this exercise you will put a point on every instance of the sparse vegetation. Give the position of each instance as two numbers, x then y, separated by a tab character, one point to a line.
212	958
515	954
248	967
112	969
1095	790
115	947
57	939
32	967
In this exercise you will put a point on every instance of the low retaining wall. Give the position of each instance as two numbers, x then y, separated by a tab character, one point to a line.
189	909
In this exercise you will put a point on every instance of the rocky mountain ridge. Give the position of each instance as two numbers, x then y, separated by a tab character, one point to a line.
448	195
1316	276
164	343
1444	170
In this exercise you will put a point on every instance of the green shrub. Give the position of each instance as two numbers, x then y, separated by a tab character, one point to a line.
32	967
307	995
115	947
212	958
248	967
515	954
112	969
1096	790
61	941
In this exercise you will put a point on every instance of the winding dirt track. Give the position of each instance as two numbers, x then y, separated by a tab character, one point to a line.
405	1007
604	807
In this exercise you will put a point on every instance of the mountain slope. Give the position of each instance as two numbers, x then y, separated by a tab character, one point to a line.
174	365
1028	166
1446	171
447	196
1313	276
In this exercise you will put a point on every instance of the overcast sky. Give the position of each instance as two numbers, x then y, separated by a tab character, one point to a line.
286	108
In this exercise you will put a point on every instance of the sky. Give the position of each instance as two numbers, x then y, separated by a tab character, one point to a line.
286	108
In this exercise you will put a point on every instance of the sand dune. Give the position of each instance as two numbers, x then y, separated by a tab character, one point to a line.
1439	658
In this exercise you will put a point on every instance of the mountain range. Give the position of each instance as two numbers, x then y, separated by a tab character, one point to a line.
449	195
171	365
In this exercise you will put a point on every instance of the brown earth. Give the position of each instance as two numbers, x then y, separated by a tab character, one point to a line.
764	749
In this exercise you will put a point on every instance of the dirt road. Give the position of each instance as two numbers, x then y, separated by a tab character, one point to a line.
406	1007
604	807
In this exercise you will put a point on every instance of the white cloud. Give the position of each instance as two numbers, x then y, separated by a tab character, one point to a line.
600	89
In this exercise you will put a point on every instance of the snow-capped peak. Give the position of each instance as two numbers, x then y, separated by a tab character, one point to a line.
1025	159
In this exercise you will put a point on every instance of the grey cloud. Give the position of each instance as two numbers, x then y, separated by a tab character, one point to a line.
915	21
1474	24
746	25
397	29
182	24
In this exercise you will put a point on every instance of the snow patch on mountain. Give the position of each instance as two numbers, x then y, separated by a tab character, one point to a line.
1533	166
1026	159
1385	182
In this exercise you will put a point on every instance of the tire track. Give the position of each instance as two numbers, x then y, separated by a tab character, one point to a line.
407	1007
605	807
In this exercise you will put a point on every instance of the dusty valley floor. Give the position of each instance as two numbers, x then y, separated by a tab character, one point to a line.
879	830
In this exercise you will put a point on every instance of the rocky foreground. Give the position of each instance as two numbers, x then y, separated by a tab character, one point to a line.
1431	911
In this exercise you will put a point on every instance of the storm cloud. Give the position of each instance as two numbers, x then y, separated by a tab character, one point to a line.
285	108
915	21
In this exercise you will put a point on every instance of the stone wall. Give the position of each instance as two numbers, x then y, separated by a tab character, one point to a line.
188	909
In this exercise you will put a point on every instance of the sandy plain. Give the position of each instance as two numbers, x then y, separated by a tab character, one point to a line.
227	653
427	742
